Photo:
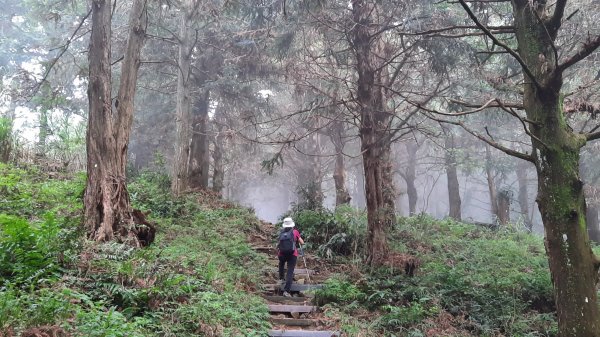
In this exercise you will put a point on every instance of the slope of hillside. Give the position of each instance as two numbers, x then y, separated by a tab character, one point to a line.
195	280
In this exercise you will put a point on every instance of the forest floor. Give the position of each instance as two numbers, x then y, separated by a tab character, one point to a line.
205	274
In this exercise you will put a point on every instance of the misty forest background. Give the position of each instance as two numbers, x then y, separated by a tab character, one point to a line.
456	137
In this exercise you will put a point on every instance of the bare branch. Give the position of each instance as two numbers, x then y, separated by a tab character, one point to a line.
490	142
62	52
512	52
592	136
589	47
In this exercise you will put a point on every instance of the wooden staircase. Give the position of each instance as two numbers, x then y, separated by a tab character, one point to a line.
293	314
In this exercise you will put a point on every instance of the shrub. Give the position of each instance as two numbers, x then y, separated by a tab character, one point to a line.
338	290
341	232
28	252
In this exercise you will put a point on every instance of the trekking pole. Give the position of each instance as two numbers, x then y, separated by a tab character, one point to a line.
305	266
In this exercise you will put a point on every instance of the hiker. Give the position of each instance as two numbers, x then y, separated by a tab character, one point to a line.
288	252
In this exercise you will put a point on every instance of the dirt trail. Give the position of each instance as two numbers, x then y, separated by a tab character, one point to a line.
295	316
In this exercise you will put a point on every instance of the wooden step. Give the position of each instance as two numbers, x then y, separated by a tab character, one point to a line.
263	248
283	299
299	271
296	287
291	308
293	321
302	333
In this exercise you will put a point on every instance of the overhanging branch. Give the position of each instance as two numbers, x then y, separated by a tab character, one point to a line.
589	47
62	52
490	142
511	51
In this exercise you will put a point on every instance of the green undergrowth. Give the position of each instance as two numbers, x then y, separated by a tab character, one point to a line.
470	281
196	279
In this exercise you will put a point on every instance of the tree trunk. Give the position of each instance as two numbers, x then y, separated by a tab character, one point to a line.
219	148
199	151
504	207
454	202
310	176
339	172
108	214
374	131
524	193
491	184
410	176
40	151
593	223
183	119
6	129
555	152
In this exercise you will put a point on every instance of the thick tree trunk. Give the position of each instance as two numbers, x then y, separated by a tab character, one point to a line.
410	176
489	173
108	214
374	131
454	202
199	151
524	193
339	172
555	152
183	119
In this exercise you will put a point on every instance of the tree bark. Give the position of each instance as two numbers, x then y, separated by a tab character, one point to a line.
555	152
219	148
593	222
107	211
374	131
183	120
454	202
504	207
309	182
491	184
199	151
40	151
342	196
524	193
410	176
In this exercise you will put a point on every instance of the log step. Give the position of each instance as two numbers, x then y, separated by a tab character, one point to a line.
296	287
302	333
291	308
300	271
283	299
263	248
293	321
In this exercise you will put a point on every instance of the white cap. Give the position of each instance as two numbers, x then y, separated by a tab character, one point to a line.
288	223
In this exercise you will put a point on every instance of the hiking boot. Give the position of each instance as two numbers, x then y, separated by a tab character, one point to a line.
286	294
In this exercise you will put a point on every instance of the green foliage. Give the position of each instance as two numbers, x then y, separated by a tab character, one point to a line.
191	280
341	232
24	193
230	313
28	253
498	279
6	127
402	317
338	290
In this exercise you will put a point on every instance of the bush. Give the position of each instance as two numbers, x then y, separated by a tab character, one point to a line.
338	290
341	232
29	252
